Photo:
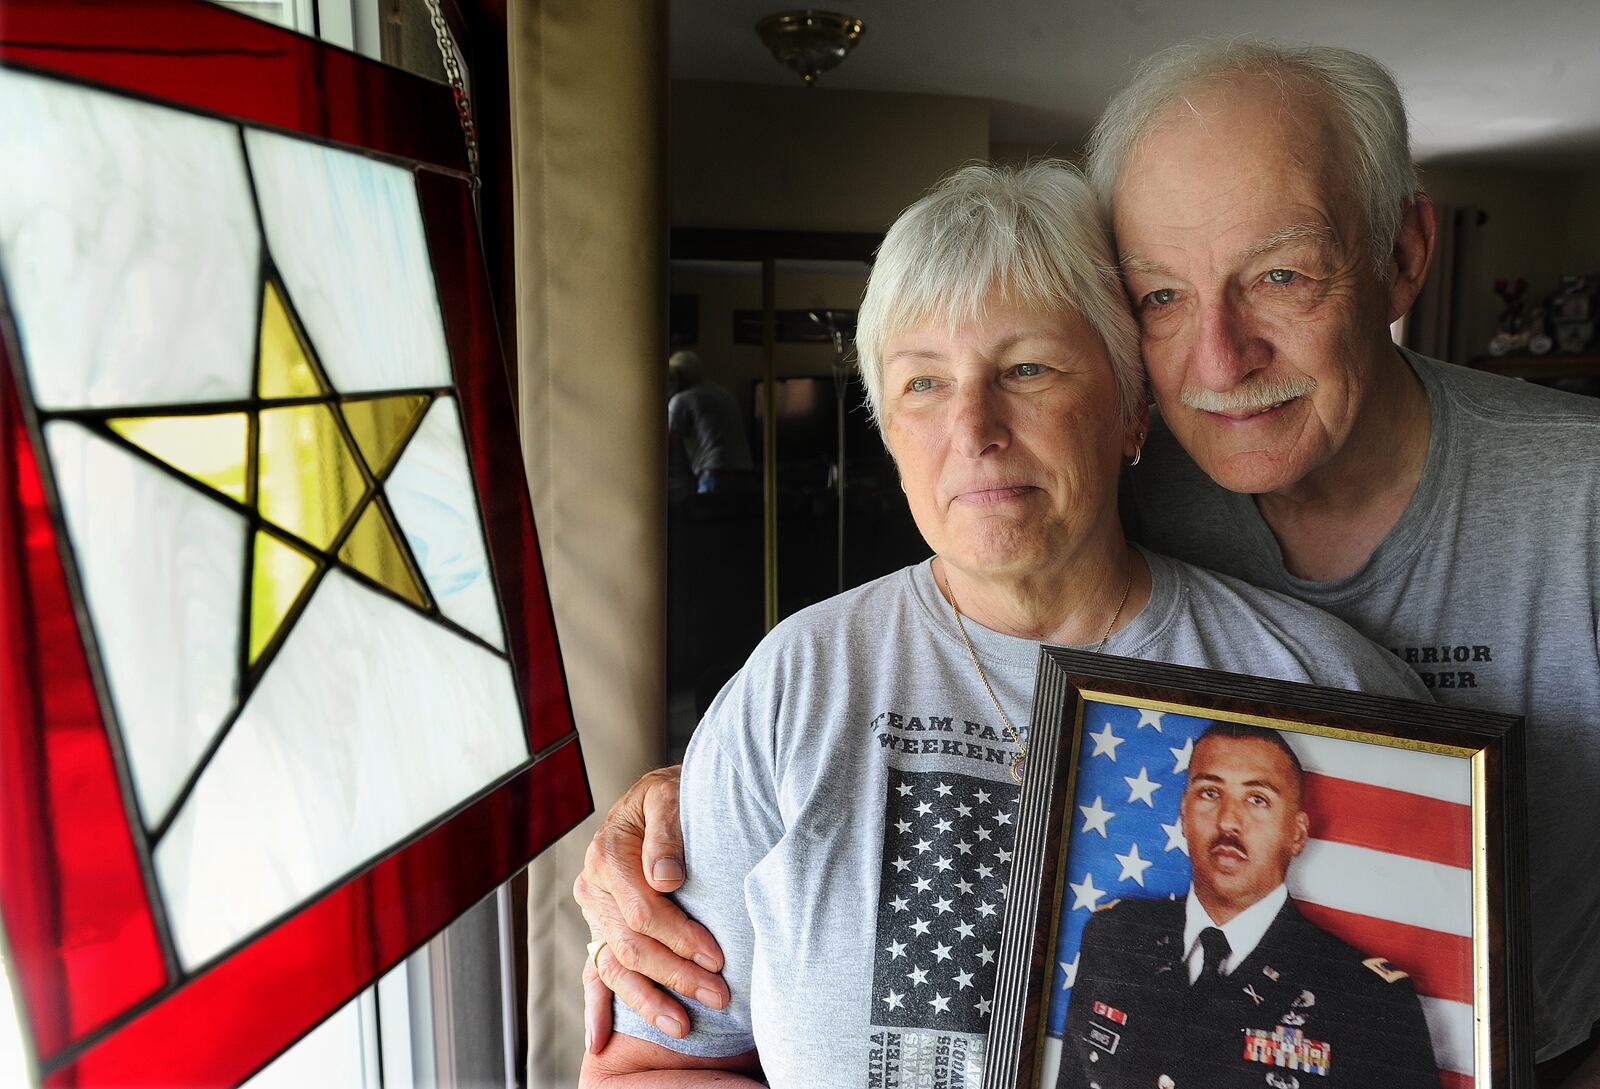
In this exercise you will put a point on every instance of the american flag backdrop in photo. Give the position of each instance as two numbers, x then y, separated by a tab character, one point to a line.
1388	866
946	860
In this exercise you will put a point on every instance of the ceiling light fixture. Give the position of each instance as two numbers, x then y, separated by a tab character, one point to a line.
810	42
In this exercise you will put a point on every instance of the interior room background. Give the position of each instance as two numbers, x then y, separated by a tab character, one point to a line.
653	179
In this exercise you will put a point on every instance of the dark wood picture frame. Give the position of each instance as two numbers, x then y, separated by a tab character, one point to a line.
1071	683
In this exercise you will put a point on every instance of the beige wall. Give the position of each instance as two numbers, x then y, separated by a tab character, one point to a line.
812	159
1583	237
1014	153
1542	223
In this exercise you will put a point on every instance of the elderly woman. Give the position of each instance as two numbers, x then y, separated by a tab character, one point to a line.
1002	367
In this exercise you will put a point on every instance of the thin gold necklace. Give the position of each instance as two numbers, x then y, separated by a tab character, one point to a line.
1011	731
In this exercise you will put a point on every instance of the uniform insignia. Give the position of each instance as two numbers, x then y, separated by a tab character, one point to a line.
1292	1019
1305	1001
1103	1038
1388	972
1110	1013
1282	1081
1270	972
1109	904
1251	991
1288	1048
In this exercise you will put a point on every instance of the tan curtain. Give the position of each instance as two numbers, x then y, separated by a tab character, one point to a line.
588	86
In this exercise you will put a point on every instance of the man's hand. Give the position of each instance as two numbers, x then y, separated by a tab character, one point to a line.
634	859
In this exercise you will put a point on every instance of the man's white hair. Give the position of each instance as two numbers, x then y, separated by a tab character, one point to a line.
1366	105
1028	236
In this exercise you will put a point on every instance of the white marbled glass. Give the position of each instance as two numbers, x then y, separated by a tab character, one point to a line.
162	567
128	246
372	722
346	234
431	493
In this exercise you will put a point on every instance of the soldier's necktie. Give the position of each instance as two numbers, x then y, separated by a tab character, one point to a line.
1214	947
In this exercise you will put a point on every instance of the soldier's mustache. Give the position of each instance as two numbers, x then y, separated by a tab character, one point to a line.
1225	839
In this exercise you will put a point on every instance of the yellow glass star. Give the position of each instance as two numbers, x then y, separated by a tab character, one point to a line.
303	460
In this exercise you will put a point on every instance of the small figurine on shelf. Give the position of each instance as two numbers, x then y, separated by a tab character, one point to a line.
1572	310
1521	327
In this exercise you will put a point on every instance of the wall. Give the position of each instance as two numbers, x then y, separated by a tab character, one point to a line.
1583	221
812	159
1541	223
1016	154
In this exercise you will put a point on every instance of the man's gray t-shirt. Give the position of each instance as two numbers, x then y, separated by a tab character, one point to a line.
1488	587
853	721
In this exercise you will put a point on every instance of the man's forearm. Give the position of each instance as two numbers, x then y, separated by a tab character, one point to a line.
628	1063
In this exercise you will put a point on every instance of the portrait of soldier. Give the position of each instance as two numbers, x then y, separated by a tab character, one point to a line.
1231	985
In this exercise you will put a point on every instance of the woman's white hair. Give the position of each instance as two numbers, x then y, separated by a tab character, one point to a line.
1366	102
1029	236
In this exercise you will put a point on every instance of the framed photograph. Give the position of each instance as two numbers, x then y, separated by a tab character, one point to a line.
1225	881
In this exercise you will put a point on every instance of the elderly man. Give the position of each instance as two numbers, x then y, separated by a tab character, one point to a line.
1271	228
1167	989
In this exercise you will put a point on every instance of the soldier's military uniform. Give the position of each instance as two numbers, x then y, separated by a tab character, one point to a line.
1304	1010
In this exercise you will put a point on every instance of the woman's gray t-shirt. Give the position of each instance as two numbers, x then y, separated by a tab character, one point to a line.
858	742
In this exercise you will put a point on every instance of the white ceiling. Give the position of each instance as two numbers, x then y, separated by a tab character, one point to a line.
1505	81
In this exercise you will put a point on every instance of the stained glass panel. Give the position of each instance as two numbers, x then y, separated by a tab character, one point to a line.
161	566
286	369
309	481
121	222
278	573
347	239
431	492
371	722
210	448
380	424
192	946
373	549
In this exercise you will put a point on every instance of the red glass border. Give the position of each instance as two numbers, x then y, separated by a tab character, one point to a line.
77	914
191	53
230	1021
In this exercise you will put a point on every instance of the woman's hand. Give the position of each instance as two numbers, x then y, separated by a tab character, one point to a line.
635	858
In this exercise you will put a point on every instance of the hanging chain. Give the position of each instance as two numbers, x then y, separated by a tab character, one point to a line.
458	86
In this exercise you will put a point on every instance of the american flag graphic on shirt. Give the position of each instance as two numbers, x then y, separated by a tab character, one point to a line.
946	860
1387	868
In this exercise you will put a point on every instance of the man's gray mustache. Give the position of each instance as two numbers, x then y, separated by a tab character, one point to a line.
1258	394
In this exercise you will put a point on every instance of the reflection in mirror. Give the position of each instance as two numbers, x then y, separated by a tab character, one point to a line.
841	518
